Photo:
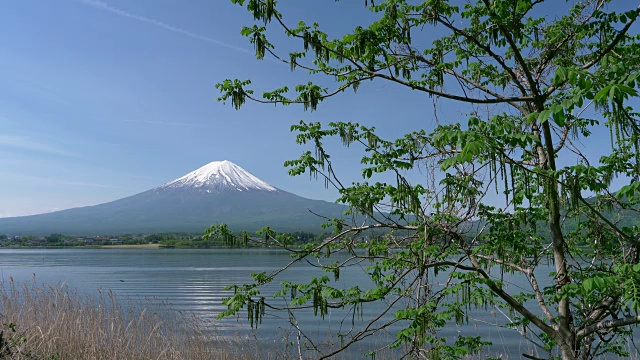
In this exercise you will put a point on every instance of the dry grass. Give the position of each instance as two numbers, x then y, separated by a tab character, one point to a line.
58	323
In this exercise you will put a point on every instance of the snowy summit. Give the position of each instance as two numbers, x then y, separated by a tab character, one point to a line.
220	175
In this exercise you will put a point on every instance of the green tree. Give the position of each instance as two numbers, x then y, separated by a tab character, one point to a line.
535	89
53	239
223	234
154	238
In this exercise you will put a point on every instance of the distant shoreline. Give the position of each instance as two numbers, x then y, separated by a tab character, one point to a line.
142	246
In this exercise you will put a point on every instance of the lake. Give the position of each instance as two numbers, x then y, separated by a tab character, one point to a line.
193	281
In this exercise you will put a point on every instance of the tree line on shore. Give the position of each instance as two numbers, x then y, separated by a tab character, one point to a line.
173	240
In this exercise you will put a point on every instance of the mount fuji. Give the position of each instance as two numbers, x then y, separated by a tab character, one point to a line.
219	192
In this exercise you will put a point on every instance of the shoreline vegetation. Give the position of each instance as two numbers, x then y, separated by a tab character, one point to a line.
153	241
54	322
40	321
139	246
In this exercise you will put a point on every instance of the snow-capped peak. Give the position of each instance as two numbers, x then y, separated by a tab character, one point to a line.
219	175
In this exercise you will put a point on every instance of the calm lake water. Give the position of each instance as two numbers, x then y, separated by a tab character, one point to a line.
194	280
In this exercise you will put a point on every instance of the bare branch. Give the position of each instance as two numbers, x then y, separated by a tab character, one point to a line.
608	324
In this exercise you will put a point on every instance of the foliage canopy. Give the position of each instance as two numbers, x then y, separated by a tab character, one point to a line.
536	89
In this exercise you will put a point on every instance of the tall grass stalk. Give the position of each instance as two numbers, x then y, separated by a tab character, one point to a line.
55	322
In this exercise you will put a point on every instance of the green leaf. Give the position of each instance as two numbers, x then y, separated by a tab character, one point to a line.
544	115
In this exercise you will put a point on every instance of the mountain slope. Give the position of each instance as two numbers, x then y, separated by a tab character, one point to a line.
219	192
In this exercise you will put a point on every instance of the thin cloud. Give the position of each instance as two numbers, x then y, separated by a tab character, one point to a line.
48	180
170	123
87	184
24	143
101	5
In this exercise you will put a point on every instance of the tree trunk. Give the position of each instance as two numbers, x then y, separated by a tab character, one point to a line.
565	327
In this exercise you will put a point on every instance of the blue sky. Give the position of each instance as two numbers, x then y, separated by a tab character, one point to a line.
104	99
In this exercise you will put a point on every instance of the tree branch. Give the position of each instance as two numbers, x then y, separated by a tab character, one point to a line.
604	52
514	47
488	50
608	324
